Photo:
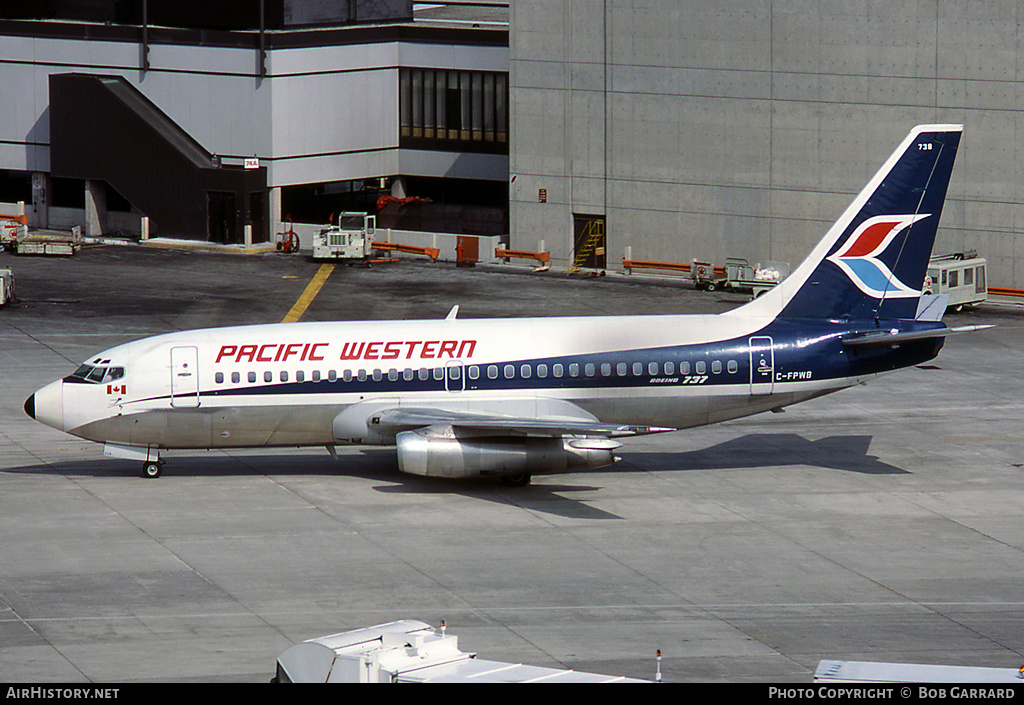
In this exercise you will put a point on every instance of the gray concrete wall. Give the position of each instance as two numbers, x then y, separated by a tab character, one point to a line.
740	128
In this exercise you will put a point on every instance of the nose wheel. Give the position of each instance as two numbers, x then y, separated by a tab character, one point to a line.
152	469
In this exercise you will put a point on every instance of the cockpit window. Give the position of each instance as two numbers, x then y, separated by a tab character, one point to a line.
95	375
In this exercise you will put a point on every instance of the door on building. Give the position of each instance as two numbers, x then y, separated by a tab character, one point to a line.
588	242
257	208
220	213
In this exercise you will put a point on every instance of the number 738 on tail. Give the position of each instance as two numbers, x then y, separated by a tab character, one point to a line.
510	398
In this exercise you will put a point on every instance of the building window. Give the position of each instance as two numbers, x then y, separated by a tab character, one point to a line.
464	111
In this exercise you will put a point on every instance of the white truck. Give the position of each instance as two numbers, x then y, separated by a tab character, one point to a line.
351	238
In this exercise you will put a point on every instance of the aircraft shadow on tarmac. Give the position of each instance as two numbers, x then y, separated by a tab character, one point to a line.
757	450
546	494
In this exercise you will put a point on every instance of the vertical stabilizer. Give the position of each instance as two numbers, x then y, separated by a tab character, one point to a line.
871	263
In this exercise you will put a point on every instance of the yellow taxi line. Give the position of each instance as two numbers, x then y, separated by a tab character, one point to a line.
312	289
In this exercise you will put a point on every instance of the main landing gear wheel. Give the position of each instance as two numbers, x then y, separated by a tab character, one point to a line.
518	480
152	470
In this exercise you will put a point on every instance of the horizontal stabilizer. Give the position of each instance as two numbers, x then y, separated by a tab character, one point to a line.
894	336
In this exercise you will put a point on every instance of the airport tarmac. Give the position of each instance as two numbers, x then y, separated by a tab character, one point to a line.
882	523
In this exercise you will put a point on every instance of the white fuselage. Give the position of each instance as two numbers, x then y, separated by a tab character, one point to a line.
286	384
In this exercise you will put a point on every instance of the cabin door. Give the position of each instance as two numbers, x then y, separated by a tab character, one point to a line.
185	377
762	366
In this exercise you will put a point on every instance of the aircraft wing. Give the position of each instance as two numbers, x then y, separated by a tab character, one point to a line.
406	419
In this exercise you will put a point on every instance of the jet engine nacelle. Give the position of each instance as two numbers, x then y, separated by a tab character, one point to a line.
433	454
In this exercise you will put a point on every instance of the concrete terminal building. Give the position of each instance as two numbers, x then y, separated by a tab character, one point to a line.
677	130
215	121
667	130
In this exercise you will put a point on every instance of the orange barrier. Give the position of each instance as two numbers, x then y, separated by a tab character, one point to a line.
631	264
23	219
1000	291
544	257
431	252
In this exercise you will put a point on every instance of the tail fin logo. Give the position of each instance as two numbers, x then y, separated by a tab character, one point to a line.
858	257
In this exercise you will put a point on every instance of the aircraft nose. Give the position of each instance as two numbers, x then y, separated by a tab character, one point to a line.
47	405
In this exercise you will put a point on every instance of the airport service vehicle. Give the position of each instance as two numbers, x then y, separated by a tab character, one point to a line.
961	275
350	239
511	398
6	286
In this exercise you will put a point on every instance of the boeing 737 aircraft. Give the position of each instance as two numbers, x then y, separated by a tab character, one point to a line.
514	397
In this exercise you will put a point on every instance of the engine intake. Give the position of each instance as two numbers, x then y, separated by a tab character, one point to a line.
429	453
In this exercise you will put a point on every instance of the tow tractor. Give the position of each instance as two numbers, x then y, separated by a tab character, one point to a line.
351	238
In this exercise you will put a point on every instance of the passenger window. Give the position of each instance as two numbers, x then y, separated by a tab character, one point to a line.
346	375
474	372
557	370
361	375
638	368
606	369
268	376
492	372
393	375
589	369
408	373
438	373
252	377
332	376
733	367
284	376
670	368
620	369
316	375
510	371
652	369
574	370
423	374
542	370
525	371
300	376
968	276
235	378
716	367
219	378
684	368
701	367
954	278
